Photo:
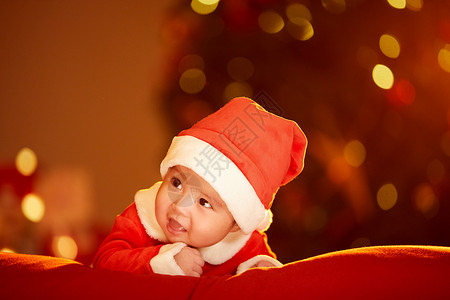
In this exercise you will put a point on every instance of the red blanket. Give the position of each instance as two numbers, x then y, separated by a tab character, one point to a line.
394	272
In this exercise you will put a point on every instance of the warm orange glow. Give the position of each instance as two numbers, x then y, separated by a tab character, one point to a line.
338	170
192	81
389	46
383	76
387	196
33	207
7	250
270	22
355	153
26	161
65	246
399	4
204	7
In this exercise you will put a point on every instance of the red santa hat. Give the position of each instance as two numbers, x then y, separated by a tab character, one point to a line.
245	153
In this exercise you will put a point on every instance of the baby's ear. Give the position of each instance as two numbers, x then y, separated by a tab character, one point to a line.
235	227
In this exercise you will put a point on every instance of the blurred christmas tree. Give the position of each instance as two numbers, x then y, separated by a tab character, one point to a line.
368	82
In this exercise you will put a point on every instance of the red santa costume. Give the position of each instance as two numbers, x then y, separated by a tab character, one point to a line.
245	153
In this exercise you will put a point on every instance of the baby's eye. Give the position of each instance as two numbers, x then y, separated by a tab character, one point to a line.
205	203
176	182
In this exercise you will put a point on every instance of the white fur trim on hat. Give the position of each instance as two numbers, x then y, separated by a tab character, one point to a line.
222	174
164	262
248	264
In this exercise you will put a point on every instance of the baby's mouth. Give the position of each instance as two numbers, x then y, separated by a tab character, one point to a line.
175	226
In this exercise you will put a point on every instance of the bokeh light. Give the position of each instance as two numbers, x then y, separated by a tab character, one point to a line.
204	7
300	29
191	61
192	81
33	207
334	6
425	200
7	250
240	68
399	4
387	196
355	153
403	93
65	246
26	161
383	76
270	22
389	46
414	5
237	89
444	58
297	10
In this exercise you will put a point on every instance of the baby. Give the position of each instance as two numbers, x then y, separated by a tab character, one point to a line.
209	214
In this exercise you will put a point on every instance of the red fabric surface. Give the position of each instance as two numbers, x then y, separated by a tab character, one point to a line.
396	272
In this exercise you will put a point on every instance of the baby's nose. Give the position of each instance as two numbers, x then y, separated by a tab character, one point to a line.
185	200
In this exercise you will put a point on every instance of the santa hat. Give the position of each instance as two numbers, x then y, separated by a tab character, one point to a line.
245	153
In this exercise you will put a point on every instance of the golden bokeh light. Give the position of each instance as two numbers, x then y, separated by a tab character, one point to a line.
355	153
389	46
33	207
7	250
204	7
383	76
387	196
64	246
425	200
297	10
399	4
237	89
414	5
300	29
240	68
192	81
334	6
270	22
444	58
191	61
26	161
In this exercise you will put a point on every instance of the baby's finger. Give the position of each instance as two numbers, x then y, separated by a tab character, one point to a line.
196	269
198	260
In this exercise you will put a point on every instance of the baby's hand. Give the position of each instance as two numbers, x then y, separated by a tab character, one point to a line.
190	261
263	264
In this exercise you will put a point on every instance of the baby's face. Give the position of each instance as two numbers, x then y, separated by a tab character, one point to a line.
189	210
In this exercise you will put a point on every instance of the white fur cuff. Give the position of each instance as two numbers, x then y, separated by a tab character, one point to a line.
248	264
164	262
